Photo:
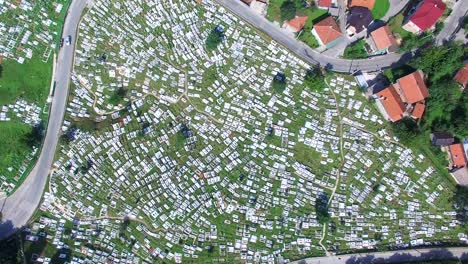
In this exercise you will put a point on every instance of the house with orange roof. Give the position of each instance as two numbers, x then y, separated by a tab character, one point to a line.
327	32
389	104
403	98
462	76
383	41
296	24
362	3
418	110
412	87
457	156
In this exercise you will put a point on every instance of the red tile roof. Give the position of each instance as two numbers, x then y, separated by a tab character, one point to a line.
462	76
364	3
327	30
428	14
458	155
418	110
324	3
392	103
412	88
297	23
383	38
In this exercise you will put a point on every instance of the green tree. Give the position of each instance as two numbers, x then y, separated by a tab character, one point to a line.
356	50
1	70
321	208
34	138
118	95
440	61
279	83
215	37
415	41
288	10
314	79
405	129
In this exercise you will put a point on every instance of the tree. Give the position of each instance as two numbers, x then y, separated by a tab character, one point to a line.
413	41
118	95
1	70
356	50
215	37
321	208
288	10
10	252
279	83
35	136
440	61
405	129
314	79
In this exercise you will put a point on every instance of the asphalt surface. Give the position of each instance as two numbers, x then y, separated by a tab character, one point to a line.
20	206
388	257
308	54
453	22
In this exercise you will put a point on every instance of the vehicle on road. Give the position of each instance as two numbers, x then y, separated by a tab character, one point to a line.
68	40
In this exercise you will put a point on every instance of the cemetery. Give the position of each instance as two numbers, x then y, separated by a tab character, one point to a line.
29	36
191	155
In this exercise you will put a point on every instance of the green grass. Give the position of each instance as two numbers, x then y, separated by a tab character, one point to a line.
274	12
177	141
14	149
356	50
314	15
15	84
395	25
380	8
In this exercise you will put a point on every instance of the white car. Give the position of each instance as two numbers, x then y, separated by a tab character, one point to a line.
68	40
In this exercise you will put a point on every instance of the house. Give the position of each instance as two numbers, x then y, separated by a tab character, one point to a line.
418	110
405	97
258	6
442	138
425	17
457	156
461	176
412	88
389	104
327	32
296	24
383	40
462	76
358	19
325	4
369	4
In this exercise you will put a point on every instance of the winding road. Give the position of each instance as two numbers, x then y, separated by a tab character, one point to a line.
20	206
308	54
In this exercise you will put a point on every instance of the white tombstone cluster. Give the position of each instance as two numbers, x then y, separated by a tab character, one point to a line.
225	164
28	113
29	28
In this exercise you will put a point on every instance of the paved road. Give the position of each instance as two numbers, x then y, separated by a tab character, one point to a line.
451	24
305	52
19	207
391	256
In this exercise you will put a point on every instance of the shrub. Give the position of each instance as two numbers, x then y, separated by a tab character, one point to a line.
288	10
